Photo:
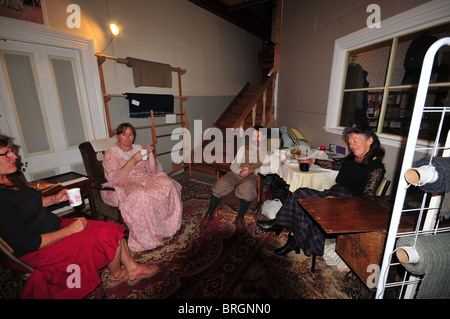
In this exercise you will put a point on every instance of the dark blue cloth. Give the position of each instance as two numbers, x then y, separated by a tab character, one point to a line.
141	104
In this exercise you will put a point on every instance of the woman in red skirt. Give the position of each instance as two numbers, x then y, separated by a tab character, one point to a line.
66	254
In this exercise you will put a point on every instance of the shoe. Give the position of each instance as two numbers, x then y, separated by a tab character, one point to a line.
142	275
288	247
270	225
240	224
205	221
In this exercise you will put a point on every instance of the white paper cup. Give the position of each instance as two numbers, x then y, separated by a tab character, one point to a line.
74	197
144	154
407	255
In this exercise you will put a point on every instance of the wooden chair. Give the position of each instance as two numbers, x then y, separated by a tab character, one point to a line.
384	185
232	201
92	153
20	276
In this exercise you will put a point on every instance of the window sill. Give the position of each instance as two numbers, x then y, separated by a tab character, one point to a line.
389	140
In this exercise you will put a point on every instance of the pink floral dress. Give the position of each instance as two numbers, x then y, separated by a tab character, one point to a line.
150	202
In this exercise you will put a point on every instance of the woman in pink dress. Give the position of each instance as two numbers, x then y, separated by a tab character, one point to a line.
148	199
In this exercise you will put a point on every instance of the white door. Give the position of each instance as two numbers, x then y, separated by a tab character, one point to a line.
41	106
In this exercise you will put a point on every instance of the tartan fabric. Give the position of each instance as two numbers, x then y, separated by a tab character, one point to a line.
309	236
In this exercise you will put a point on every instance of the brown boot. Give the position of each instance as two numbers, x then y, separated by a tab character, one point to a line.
205	221
240	224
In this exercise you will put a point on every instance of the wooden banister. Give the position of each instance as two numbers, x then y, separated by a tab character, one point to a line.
253	103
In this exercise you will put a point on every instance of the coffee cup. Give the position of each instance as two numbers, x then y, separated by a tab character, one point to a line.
75	198
144	154
304	167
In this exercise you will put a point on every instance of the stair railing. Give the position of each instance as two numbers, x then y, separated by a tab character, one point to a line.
252	106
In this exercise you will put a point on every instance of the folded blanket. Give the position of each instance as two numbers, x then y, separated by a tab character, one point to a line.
141	104
148	73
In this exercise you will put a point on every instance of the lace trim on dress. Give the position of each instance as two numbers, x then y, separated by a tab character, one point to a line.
129	154
375	178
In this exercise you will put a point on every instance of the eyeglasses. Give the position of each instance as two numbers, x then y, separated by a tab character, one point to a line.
9	153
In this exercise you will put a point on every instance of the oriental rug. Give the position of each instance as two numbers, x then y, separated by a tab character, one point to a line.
196	263
220	263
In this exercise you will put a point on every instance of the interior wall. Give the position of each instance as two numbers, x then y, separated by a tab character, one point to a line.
309	31
218	56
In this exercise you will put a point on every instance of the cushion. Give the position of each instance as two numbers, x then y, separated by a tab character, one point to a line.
287	140
291	138
295	135
103	144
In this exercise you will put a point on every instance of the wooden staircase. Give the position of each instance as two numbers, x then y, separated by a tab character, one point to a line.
253	105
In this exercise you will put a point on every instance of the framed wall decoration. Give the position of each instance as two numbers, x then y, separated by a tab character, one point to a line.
27	10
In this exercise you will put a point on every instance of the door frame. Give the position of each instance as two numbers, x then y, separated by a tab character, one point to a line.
16	30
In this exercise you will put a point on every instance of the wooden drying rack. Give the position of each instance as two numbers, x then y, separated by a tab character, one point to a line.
182	114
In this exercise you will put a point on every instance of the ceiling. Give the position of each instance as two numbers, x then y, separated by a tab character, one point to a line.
254	16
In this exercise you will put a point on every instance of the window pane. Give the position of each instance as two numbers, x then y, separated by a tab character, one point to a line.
68	100
367	68
411	50
374	100
361	107
27	103
373	60
399	111
400	107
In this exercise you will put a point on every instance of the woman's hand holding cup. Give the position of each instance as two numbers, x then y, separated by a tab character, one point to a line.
146	151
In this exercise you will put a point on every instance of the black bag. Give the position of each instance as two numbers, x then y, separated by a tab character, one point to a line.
278	187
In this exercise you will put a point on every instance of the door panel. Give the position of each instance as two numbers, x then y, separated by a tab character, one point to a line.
28	105
42	103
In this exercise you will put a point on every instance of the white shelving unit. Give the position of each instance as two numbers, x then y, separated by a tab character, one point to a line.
427	223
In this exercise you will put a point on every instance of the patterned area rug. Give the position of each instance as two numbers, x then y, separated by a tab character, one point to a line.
290	277
196	263
220	263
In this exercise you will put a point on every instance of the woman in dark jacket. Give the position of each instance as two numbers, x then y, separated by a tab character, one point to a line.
360	174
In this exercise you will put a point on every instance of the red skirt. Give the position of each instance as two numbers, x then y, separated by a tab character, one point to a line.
68	269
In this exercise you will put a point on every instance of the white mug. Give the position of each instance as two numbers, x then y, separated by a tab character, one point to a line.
144	154
75	198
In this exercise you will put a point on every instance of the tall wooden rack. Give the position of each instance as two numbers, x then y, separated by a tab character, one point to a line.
182	122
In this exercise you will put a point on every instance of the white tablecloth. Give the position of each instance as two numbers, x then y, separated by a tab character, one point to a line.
316	178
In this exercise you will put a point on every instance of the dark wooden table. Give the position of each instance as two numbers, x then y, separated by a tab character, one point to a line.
74	180
360	224
343	215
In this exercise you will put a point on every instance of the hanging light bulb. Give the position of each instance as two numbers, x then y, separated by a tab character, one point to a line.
114	29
